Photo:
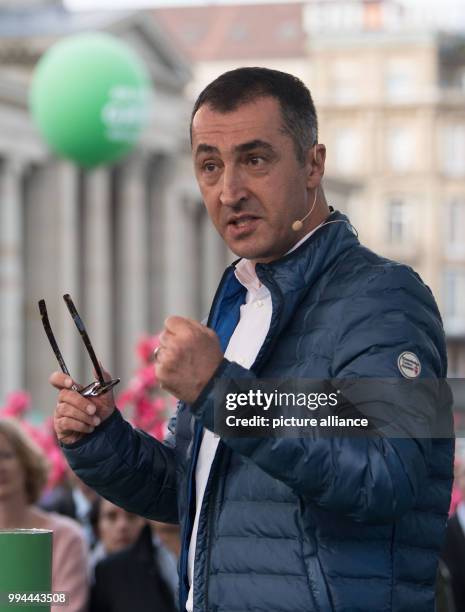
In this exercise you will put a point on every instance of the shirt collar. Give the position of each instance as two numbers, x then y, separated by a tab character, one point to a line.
245	269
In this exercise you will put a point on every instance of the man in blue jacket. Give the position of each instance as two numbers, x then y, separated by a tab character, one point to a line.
289	524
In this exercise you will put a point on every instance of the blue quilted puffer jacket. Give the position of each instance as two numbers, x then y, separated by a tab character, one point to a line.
313	524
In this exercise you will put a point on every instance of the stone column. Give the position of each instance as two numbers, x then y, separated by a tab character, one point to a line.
51	269
132	265
158	175
181	254
183	239
69	260
97	261
11	279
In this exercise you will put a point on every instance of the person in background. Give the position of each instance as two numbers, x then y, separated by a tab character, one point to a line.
166	539
114	529
72	498
23	475
132	570
169	537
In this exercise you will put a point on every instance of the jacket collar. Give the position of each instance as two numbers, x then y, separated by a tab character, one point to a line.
300	268
290	278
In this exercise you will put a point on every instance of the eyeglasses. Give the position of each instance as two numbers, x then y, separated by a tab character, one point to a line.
96	388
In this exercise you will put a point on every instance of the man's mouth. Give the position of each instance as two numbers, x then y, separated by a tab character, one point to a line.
242	221
242	226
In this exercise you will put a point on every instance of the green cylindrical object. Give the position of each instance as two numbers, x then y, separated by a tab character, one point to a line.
25	565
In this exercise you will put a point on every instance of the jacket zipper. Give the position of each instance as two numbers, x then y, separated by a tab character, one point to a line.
214	472
185	537
219	452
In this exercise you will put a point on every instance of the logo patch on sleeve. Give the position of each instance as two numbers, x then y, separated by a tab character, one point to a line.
409	365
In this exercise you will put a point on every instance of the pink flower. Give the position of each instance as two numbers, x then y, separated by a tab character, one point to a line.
17	404
158	431
145	348
146	376
58	467
125	398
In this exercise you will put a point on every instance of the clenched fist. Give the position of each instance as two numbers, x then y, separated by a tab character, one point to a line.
187	358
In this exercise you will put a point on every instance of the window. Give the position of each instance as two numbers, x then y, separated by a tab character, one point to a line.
345	88
238	32
400	149
455	227
347	151
288	30
454	300
193	33
399	81
453	150
398	221
373	16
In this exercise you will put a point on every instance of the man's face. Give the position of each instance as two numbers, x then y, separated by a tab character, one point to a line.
252	184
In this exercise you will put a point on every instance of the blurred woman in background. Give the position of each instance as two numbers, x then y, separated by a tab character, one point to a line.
23	475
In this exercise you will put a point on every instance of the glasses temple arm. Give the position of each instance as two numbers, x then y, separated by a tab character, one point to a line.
82	330
51	337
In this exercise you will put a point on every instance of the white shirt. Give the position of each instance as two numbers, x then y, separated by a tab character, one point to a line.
244	345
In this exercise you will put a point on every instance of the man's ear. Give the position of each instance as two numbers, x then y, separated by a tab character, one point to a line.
315	163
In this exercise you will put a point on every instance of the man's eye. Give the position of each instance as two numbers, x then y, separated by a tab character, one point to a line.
209	167
256	161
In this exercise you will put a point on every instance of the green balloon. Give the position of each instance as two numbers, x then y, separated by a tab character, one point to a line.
90	98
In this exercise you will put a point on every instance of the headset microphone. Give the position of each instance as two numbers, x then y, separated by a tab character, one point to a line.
299	223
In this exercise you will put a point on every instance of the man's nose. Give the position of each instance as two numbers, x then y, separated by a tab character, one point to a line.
233	188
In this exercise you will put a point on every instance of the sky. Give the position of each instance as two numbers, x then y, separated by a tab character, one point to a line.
132	4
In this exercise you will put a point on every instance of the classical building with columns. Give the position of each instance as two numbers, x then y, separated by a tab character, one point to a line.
130	242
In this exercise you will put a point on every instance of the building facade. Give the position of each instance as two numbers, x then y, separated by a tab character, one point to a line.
390	89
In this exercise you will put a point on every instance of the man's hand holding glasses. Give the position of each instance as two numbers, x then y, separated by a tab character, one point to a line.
79	409
76	415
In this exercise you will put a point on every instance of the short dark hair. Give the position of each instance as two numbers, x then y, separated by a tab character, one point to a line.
242	85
